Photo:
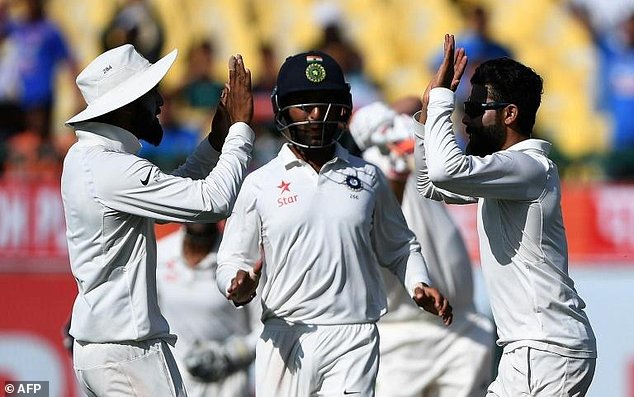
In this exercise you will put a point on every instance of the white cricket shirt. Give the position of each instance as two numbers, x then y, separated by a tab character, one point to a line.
190	301
446	256
111	200
323	236
524	254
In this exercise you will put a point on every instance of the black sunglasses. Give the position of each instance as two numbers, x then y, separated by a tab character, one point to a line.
477	109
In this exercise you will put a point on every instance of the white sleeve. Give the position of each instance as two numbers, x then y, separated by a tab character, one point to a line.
395	245
241	240
134	185
423	184
506	174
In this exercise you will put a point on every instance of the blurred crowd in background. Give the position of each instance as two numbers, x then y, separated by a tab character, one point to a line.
584	49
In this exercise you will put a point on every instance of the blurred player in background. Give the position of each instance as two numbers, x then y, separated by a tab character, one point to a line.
216	342
326	222
549	348
420	357
112	199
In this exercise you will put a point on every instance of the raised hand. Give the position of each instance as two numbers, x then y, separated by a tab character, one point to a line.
239	98
220	123
452	67
244	284
432	301
448	75
236	102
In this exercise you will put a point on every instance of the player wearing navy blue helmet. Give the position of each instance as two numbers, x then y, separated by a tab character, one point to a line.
322	290
311	81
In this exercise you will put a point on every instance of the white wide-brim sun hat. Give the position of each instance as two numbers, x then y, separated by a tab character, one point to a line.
116	78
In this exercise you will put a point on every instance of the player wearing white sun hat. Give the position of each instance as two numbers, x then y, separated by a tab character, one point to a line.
112	199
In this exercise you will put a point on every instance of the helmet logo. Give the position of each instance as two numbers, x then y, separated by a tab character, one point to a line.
315	72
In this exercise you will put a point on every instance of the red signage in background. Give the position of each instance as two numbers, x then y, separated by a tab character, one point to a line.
32	227
599	221
34	309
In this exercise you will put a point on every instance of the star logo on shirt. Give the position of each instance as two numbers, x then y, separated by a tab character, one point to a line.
284	186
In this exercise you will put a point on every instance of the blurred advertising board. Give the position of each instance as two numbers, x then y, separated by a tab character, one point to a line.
38	289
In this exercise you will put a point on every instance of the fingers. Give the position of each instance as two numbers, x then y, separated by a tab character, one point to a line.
460	65
236	283
223	95
239	98
237	72
232	63
242	288
432	301
257	268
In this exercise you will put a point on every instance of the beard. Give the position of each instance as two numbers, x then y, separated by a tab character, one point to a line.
150	131
324	136
484	141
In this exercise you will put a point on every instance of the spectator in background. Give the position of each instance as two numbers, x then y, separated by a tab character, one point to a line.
200	89
265	81
333	43
135	22
478	43
416	350
41	49
11	120
269	141
216	342
179	140
196	99
616	90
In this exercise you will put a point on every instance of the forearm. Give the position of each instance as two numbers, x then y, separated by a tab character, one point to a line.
424	184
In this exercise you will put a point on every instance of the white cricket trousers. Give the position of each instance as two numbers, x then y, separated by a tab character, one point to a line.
143	369
530	372
426	359
294	360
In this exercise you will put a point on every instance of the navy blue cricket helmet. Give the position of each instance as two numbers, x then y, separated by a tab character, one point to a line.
305	81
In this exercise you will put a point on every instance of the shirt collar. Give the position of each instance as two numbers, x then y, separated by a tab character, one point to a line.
289	159
532	144
111	136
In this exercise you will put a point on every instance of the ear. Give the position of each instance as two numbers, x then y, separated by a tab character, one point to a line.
510	114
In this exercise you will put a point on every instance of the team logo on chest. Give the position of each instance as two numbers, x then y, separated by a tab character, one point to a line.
354	183
282	200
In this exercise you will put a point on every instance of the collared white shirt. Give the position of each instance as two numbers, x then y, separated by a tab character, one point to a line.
323	236
446	256
111	200
191	303
523	247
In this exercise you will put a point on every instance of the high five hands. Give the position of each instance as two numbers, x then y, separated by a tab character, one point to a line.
236	102
448	74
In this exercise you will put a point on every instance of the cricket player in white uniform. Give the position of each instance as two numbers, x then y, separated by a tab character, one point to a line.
325	222
112	199
216	342
420	357
549	348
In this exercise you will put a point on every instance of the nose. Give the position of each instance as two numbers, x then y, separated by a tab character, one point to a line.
466	120
314	113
